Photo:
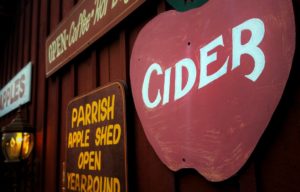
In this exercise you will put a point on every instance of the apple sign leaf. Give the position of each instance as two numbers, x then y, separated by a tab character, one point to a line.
184	5
206	82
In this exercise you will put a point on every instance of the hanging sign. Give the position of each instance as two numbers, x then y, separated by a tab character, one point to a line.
17	91
206	81
89	20
96	141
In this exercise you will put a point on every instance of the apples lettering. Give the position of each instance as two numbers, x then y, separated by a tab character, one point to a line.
206	82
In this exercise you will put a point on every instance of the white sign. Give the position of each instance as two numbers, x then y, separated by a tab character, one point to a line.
17	91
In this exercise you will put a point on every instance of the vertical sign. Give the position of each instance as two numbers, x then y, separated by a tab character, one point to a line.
96	143
17	91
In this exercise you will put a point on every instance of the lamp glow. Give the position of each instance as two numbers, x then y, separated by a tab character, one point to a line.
17	140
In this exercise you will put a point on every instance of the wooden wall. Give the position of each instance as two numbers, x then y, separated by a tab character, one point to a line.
274	166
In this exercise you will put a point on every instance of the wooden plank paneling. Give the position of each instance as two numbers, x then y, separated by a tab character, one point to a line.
15	45
34	17
5	71
247	179
27	33
27	50
52	136
150	173
274	166
13	68
67	93
86	73
5	67
10	61
53	114
21	36
40	140
10	65
104	66
117	58
191	181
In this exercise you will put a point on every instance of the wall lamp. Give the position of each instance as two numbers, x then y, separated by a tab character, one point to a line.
17	139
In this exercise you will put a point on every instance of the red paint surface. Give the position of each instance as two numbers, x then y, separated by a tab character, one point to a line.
216	128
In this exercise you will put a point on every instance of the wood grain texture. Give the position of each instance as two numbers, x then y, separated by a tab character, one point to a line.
274	165
53	115
67	93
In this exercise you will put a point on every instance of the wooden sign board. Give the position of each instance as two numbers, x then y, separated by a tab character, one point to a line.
87	22
206	82
96	141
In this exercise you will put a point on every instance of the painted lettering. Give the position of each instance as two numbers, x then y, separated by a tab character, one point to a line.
145	89
73	34
78	139
14	92
108	135
257	29
58	46
114	3
208	57
94	112
22	86
83	23
167	83
89	183
90	160
78	30
191	77
101	8
206	60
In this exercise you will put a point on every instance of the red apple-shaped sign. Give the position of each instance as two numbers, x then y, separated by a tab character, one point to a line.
206	81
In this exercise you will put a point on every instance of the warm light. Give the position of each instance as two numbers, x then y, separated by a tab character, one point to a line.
27	145
11	144
17	146
17	139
